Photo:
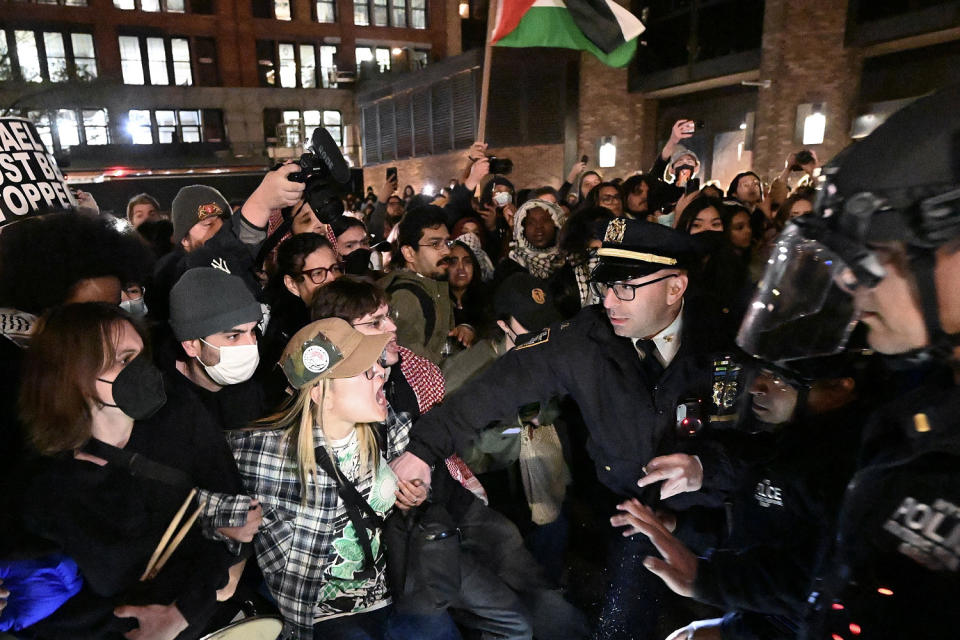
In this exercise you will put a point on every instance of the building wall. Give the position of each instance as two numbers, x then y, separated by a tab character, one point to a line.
533	166
805	59
607	108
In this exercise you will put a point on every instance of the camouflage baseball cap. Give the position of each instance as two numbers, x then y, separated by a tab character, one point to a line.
330	348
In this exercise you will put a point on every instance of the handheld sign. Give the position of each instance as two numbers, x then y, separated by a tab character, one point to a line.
30	181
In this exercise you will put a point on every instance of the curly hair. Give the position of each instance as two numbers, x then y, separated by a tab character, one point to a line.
43	258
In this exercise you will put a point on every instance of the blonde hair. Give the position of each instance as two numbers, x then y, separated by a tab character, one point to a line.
297	418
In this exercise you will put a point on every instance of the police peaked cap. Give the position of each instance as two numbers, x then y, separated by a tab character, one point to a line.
636	248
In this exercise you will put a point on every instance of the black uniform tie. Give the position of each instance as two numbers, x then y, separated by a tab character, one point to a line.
647	350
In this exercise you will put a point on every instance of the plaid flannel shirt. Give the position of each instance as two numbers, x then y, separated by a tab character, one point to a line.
294	545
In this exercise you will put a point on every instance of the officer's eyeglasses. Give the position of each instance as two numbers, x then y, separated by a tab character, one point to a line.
624	290
320	274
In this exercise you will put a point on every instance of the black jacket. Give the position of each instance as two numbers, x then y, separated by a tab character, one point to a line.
630	419
781	517
109	522
894	570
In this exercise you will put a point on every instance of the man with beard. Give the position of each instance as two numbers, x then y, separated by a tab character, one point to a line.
419	293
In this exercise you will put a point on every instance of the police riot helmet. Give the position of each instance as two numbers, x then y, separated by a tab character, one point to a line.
901	183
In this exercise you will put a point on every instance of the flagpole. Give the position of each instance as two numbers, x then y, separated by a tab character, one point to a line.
487	63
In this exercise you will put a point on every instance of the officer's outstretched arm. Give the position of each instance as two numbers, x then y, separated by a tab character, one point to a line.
534	372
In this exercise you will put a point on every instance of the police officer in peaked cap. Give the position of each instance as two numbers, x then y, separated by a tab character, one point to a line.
883	248
628	363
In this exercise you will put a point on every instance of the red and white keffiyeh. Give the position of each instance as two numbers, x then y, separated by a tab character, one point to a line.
427	383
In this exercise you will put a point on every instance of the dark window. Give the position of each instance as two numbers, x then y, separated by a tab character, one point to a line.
207	73
46	56
273	9
62	3
680	32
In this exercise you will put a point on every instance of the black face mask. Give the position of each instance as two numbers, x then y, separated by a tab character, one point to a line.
683	167
138	389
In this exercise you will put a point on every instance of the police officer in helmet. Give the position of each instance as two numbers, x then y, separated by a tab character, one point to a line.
883	248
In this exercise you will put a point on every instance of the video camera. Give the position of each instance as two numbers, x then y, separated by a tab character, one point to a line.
324	171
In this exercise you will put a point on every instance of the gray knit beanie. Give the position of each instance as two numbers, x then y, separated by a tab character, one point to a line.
195	203
206	301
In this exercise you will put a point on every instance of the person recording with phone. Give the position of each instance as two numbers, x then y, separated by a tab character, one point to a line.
676	165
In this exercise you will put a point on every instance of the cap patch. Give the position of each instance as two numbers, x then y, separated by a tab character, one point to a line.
538	296
615	230
208	210
316	359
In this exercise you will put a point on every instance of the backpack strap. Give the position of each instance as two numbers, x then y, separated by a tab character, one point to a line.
426	306
138	465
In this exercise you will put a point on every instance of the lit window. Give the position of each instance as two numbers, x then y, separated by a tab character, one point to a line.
127	5
175	6
130	60
84	58
288	66
166	127
281	9
56	56
67	129
150	5
308	66
95	129
326	11
180	50
363	54
361	13
420	59
418	14
291	129
399	13
383	59
138	126
157	59
380	14
41	120
334	124
189	126
328	66
30	69
6	69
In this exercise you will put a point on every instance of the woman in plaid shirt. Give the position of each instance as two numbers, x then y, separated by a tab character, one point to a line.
329	578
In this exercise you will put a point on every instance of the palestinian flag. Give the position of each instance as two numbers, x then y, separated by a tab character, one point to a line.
602	27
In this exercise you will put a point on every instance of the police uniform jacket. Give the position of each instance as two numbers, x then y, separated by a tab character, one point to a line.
780	518
894	571
630	418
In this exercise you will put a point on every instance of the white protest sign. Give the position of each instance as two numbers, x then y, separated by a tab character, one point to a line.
30	181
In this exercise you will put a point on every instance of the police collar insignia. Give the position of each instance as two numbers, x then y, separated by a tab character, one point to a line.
540	338
615	230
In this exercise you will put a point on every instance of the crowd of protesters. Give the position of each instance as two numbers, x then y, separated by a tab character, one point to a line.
494	412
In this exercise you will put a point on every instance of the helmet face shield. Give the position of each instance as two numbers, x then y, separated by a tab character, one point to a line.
803	306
